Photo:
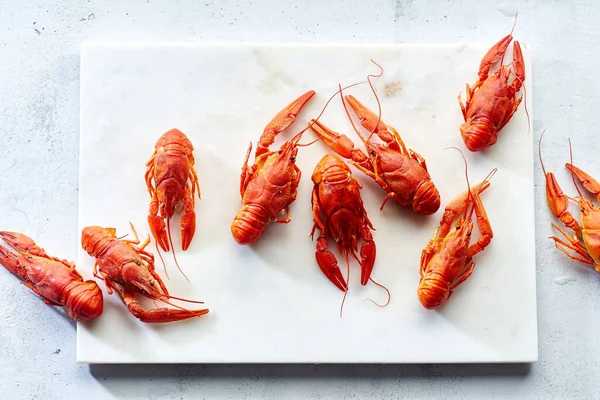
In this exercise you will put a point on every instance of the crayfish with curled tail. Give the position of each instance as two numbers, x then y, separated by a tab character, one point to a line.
397	169
339	214
270	185
446	262
56	281
492	101
128	269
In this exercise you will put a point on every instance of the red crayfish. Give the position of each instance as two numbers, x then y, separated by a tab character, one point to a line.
397	169
446	262
269	186
492	101
56	281
127	264
171	179
339	214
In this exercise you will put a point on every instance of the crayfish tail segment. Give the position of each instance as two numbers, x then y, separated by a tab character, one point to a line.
433	292
158	229
493	55
587	181
159	315
559	203
188	227
427	199
329	265
340	143
84	301
281	121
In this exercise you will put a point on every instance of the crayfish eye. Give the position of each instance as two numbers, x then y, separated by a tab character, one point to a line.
372	152
293	158
338	240
468	234
279	151
458	227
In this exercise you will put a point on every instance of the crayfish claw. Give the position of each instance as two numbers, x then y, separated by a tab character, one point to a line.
22	243
157	227
188	228
367	255
328	264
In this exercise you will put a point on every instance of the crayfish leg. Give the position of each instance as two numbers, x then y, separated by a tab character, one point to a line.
465	274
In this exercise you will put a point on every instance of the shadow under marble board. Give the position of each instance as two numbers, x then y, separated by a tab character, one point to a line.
270	302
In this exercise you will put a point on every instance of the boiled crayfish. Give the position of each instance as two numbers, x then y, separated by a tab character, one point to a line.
56	281
446	262
269	186
128	269
171	179
339	214
588	232
492	100
397	169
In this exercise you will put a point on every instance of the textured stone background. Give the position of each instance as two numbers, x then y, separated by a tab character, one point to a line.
39	102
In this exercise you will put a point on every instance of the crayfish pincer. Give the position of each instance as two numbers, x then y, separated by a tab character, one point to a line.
56	281
128	269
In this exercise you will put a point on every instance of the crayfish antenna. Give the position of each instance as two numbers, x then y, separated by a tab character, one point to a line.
198	313
162	259
182	299
376	98
347	283
384	288
323	111
572	174
540	152
173	248
470	195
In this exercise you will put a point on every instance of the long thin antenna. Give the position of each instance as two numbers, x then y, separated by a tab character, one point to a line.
540	152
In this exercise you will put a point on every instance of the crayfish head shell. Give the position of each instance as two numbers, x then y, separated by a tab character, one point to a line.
169	193
433	292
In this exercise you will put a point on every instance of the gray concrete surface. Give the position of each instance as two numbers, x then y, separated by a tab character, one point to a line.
39	101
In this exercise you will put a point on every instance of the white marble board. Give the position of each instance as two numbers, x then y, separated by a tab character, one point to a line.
270	303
